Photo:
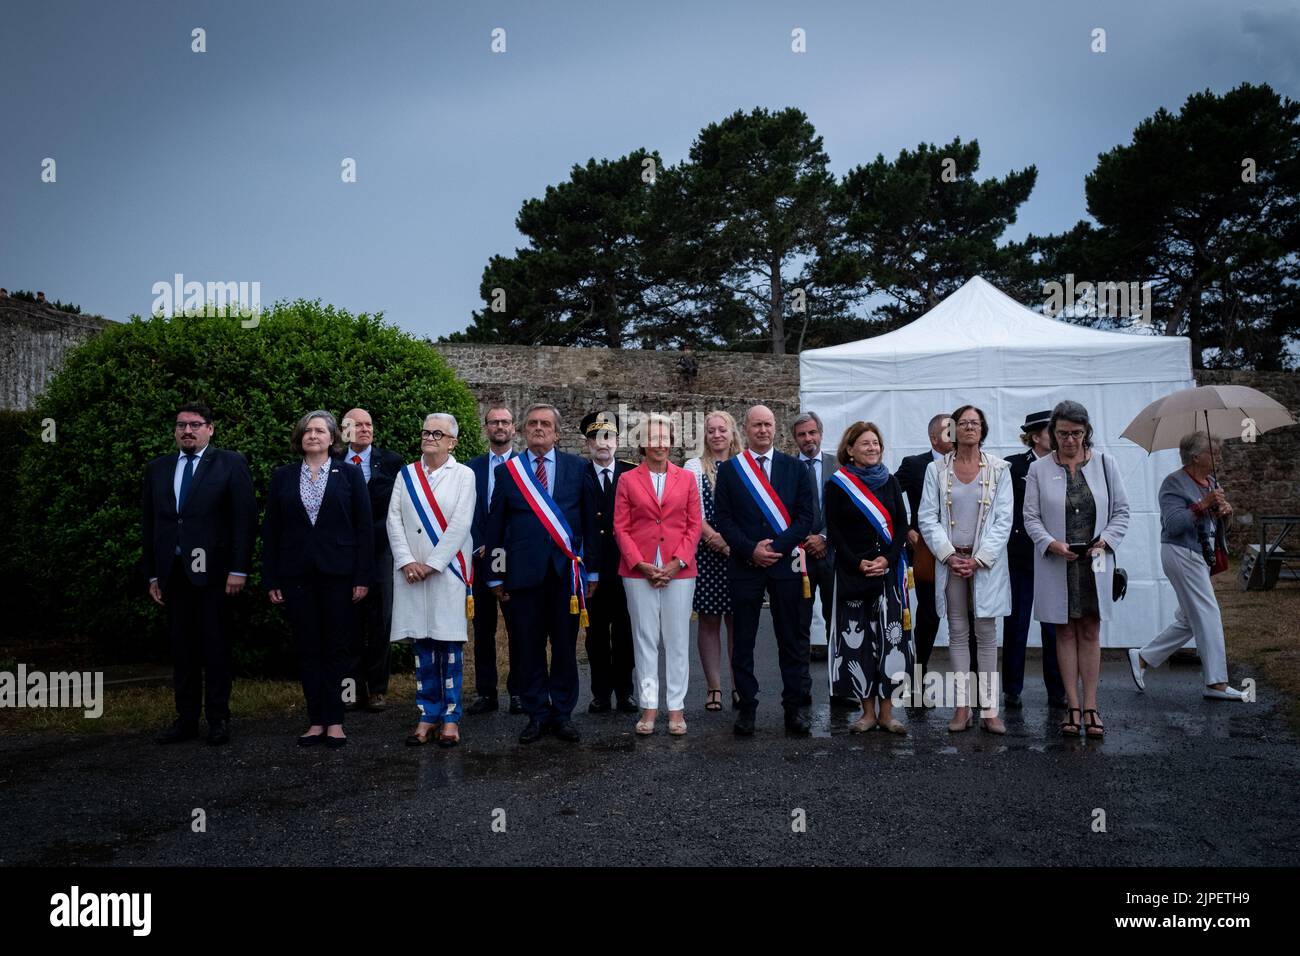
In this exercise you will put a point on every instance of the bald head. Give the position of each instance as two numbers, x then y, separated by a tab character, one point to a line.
760	428
358	429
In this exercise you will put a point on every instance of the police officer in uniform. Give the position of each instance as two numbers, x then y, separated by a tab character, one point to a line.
609	631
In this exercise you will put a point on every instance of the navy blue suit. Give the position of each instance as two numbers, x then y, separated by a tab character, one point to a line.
1015	626
219	520
315	567
538	580
485	599
743	525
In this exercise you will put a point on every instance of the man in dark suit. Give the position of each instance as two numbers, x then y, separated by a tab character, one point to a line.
200	516
1020	562
764	560
807	431
538	576
374	612
911	478
499	424
609	631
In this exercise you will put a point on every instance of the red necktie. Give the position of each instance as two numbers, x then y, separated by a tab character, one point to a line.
541	473
356	459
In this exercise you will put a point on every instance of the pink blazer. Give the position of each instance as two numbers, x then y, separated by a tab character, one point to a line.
642	523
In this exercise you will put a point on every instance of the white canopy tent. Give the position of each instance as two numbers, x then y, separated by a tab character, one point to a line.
981	347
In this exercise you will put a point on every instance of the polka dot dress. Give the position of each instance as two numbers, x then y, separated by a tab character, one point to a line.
711	593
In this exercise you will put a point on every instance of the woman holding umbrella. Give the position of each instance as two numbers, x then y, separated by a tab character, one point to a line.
1193	510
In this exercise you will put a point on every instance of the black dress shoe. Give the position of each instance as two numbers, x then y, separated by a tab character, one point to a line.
798	722
533	732
744	725
311	740
1012	701
335	743
565	730
481	705
177	732
516	704
218	732
626	705
599	707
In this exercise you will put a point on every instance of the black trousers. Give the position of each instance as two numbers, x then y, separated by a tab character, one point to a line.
320	613
821	580
486	606
541	615
785	596
371	628
609	640
198	626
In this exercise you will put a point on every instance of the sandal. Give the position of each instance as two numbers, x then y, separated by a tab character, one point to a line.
713	704
1092	726
419	740
1071	726
864	724
677	727
645	728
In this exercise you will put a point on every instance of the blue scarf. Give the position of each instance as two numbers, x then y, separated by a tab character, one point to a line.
875	476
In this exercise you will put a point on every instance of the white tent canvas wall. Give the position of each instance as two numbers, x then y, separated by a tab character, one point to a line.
981	347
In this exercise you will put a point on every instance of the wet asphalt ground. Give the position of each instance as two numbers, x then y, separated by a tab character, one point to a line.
1178	781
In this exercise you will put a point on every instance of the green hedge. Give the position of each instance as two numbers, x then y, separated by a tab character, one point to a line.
113	403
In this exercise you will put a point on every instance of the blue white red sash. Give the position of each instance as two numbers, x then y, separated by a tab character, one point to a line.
882	523
428	516
552	519
770	504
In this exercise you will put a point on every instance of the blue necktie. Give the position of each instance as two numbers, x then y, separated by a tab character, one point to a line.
186	477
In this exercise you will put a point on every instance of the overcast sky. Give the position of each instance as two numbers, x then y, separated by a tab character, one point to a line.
225	165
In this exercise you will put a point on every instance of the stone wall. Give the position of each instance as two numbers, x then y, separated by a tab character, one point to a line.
1261	478
628	383
33	341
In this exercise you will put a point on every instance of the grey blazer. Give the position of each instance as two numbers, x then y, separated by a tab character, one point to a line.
1045	523
1178	492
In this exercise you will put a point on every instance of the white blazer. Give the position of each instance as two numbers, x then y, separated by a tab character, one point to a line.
992	586
435	607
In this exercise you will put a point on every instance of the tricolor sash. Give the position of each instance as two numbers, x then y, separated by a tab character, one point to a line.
552	519
419	499
770	504
878	517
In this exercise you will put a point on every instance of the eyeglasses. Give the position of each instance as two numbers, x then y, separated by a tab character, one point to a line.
968	424
499	421
189	426
1072	435
436	435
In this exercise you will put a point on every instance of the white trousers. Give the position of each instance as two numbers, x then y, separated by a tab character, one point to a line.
1197	615
661	613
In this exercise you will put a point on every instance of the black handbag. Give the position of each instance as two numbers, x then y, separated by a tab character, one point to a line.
1119	577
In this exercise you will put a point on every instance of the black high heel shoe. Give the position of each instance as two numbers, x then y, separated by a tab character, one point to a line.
1070	725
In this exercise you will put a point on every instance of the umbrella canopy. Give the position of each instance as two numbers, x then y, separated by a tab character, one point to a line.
1225	411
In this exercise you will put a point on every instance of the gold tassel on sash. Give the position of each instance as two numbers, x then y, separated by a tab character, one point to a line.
907	618
911	579
582	618
469	607
807	588
573	604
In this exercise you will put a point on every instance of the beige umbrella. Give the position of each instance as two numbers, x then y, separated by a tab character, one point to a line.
1224	411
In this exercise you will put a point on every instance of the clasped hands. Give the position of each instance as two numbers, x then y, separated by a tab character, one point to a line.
660	577
962	565
874	568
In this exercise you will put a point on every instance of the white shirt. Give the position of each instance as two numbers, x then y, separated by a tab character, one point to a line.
349	454
765	465
180	471
817	474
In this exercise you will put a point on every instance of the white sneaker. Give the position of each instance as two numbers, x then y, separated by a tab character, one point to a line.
1135	665
1228	693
